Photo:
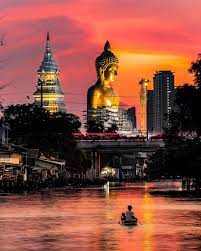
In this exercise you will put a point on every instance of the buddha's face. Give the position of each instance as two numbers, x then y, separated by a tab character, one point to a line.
111	72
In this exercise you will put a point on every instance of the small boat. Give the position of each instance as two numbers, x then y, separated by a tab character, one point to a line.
128	222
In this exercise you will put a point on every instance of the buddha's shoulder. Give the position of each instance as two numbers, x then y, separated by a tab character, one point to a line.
114	92
93	89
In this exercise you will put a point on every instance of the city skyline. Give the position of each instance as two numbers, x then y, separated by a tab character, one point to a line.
143	48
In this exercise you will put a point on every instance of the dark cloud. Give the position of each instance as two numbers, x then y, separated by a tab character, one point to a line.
18	3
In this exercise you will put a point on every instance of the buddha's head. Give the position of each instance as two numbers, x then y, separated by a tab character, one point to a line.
111	72
107	65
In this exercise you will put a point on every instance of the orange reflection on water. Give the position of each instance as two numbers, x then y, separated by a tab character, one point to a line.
147	218
87	219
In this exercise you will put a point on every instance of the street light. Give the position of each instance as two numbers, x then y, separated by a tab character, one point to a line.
42	78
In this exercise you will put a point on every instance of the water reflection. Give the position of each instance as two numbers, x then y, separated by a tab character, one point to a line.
147	218
87	219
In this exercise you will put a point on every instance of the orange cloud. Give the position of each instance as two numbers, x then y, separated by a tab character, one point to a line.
146	36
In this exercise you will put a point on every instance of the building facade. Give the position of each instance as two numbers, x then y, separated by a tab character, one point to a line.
163	100
131	116
49	94
150	111
124	120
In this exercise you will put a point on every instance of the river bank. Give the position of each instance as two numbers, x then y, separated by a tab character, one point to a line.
177	194
45	186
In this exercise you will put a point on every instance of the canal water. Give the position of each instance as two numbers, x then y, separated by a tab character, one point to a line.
87	219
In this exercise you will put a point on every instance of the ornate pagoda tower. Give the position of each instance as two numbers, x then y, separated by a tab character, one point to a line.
49	94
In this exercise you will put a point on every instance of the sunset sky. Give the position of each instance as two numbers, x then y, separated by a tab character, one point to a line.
146	36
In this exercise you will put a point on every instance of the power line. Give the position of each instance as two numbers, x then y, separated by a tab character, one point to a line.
66	93
68	102
73	110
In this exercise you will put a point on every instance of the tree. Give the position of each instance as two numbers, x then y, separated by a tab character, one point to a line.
185	118
35	127
195	69
187	104
95	126
156	164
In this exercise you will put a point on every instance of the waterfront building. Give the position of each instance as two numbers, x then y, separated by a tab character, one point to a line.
10	157
163	99
49	94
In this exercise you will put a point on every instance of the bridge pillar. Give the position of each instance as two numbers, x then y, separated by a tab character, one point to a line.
95	165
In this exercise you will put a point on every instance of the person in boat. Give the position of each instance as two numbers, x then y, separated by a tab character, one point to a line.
130	215
123	216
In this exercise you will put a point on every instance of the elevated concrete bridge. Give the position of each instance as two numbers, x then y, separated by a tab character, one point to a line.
120	145
117	153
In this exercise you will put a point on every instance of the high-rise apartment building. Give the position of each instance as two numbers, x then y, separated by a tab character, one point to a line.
163	99
150	111
131	116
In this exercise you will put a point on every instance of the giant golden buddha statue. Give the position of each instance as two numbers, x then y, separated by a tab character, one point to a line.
101	95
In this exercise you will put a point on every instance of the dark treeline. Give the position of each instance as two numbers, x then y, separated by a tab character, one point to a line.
181	155
98	126
35	128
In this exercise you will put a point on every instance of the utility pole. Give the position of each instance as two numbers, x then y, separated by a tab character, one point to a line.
41	95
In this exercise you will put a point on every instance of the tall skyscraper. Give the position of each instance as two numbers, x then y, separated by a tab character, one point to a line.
131	114
163	99
49	94
150	111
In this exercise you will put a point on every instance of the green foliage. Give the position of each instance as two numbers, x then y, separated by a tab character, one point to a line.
185	118
156	165
34	127
195	69
181	159
95	126
25	119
